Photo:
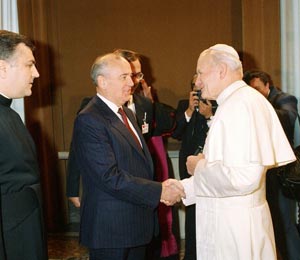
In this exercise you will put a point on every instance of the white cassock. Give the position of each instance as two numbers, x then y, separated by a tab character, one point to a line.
233	220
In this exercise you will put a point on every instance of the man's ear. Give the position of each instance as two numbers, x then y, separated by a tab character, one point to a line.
222	70
101	81
3	68
268	85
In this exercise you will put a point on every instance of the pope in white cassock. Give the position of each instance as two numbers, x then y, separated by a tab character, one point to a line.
245	139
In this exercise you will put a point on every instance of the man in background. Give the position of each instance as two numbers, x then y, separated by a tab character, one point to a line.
21	211
283	209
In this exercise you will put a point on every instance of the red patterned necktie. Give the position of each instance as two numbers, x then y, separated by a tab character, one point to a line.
125	121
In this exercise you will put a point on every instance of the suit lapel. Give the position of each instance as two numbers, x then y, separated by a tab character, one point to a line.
115	122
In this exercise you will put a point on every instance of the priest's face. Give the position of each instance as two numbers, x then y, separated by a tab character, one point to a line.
208	78
21	72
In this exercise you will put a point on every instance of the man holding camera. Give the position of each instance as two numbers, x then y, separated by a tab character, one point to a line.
192	117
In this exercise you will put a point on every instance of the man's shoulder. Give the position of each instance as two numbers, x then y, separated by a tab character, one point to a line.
277	96
138	98
95	109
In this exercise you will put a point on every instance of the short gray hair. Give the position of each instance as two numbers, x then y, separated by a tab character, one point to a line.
101	64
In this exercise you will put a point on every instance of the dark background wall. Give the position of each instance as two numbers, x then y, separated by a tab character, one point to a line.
170	34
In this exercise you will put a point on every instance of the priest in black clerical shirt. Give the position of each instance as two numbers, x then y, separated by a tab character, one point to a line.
22	235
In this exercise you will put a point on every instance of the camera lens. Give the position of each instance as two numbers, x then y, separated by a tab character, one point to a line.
198	93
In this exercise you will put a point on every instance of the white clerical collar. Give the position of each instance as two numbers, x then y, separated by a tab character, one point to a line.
229	90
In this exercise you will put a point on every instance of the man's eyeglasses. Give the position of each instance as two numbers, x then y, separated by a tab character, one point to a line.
138	75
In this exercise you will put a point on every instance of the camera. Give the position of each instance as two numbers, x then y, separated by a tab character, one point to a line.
198	93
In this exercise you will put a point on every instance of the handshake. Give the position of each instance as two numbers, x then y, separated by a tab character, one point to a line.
172	192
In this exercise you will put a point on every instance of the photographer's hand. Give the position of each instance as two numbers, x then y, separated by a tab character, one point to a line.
146	90
193	102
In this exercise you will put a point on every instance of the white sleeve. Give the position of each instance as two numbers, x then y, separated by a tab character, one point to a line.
217	180
188	185
187	118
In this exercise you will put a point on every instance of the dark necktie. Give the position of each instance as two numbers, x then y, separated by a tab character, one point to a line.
125	121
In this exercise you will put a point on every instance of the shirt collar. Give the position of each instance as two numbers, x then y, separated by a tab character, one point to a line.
110	104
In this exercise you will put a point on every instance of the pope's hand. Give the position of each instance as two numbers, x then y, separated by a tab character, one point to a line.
192	161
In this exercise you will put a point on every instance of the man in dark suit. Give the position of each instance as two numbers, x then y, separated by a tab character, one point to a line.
282	209
143	115
139	103
192	118
119	194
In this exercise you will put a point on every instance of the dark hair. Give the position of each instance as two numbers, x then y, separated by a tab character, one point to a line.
263	76
9	41
193	80
130	56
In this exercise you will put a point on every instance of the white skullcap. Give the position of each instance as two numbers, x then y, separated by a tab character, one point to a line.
225	48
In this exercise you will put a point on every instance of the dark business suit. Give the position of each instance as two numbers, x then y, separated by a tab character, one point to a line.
119	196
285	106
192	134
142	105
282	209
73	173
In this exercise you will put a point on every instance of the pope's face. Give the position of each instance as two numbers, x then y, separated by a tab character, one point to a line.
208	78
21	72
118	82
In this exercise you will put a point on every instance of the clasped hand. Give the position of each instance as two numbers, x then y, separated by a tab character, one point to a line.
172	192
